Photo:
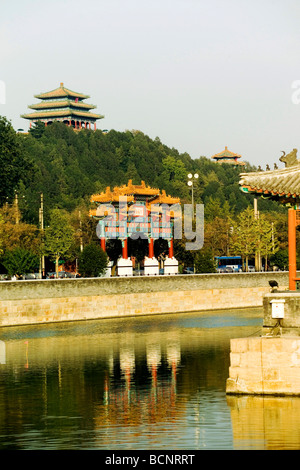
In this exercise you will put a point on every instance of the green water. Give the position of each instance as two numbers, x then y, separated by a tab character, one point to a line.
156	382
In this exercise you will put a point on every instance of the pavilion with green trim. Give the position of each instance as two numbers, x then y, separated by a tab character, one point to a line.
63	105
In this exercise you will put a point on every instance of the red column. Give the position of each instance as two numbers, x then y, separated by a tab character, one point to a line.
94	126
171	250
70	122
124	249
46	123
151	248
102	243
89	125
292	248
30	125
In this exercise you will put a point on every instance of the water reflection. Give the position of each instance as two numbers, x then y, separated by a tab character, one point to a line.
271	423
152	383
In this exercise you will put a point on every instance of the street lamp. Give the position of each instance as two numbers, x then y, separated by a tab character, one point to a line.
192	178
41	223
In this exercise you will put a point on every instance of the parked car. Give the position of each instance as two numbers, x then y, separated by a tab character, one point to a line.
228	269
188	270
220	270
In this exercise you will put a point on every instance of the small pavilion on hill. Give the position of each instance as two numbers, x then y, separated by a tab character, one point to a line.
63	105
118	220
283	186
226	156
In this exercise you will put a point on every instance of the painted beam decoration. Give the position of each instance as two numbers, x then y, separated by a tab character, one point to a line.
138	211
124	212
280	184
283	186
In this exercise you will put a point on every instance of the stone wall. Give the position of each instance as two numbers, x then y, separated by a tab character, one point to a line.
31	302
265	366
291	310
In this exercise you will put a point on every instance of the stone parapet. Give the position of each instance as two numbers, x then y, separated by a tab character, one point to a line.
30	302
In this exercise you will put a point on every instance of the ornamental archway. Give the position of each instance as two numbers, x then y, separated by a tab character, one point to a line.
137	211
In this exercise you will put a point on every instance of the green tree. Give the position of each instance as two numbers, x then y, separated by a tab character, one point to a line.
174	169
217	236
20	261
268	243
37	130
14	165
281	259
245	235
59	236
204	262
92	261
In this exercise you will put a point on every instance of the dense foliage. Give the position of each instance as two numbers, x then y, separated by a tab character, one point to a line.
92	261
69	166
14	164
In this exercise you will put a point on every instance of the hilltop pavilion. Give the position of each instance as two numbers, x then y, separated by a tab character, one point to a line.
134	218
65	106
283	186
226	156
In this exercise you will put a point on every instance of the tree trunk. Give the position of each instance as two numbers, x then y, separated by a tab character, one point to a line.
56	266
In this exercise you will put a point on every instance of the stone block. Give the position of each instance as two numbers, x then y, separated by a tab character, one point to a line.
235	359
250	359
254	344
239	345
275	370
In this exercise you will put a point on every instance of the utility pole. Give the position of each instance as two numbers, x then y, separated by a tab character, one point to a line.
257	254
80	228
41	221
17	208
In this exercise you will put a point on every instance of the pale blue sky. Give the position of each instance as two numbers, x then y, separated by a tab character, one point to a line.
198	74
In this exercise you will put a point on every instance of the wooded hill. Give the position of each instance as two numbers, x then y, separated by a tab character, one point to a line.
69	166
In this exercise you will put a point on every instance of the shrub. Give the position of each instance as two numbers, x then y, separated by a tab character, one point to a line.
92	261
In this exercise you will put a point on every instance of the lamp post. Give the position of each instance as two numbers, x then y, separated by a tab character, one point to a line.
41	220
191	180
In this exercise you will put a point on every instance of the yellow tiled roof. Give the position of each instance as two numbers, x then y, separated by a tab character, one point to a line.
226	156
61	104
283	182
130	190
63	113
60	92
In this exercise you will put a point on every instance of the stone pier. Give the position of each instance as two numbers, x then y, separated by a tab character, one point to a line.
270	363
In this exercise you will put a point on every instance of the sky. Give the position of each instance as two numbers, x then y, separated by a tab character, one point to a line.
198	74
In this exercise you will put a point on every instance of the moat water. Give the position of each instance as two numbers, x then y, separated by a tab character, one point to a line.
152	383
